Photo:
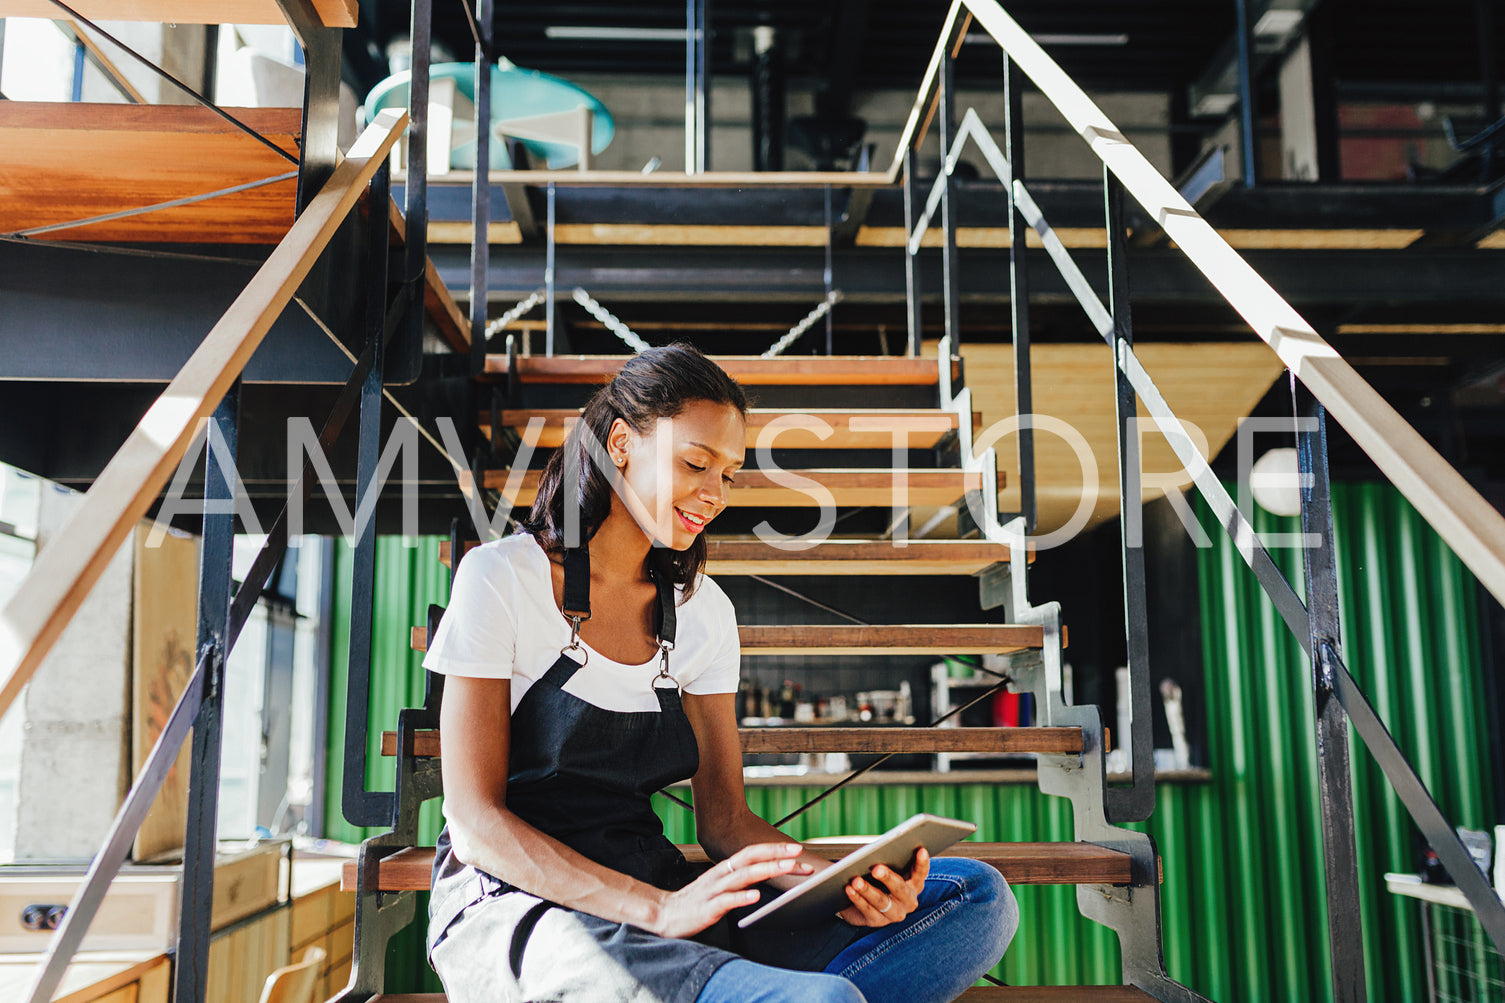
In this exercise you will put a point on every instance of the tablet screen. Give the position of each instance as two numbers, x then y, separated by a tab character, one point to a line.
823	893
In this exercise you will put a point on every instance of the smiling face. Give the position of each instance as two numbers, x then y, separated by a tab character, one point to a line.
678	477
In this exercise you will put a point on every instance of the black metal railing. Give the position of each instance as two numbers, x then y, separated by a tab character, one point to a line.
1319	381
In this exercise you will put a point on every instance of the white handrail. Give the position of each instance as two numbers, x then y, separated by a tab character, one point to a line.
67	568
1460	515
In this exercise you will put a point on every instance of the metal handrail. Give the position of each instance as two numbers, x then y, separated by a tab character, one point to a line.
1459	514
63	574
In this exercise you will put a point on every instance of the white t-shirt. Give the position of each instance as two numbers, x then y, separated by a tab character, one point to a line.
502	623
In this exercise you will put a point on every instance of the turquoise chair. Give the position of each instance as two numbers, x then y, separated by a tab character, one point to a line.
515	93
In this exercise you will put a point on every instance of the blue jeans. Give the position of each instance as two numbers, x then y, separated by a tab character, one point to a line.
966	918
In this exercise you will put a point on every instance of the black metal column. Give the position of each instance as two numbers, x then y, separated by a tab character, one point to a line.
415	194
1013	125
320	146
768	108
1244	32
697	86
1489	74
1334	784
480	192
826	276
912	285
1135	802
1320	40
549	309
950	275
360	806
191	966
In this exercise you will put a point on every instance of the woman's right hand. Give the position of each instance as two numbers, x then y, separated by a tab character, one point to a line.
725	887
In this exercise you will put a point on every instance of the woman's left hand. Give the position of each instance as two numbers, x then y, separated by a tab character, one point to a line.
875	904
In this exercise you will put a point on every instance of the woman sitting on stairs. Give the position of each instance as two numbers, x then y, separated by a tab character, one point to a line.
582	680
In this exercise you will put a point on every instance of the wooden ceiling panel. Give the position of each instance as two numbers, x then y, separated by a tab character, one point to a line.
1208	385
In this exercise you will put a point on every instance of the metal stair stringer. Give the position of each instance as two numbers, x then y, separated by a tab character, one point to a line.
1131	911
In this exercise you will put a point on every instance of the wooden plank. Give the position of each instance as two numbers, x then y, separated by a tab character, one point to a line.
311	917
751	556
91	977
1461	516
1022	863
844	429
1321	240
70	161
245	883
331	13
750	370
164	615
1079	237
1054	994
800	739
976	994
64	572
689	235
667	179
847	486
899	639
854	639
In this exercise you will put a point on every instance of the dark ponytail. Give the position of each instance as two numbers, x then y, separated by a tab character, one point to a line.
659	383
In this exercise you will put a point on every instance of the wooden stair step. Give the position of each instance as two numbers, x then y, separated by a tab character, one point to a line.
331	13
847	429
976	994
751	556
789	739
861	639
1021	863
81	160
749	370
851	487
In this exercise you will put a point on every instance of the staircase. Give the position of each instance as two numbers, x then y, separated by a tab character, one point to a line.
1115	869
519	406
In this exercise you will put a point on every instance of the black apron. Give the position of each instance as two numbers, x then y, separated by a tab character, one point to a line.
584	775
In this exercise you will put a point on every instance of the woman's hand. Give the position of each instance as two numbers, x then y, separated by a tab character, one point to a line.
899	896
725	887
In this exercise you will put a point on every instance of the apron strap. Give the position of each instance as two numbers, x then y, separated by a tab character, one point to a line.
577	603
577	582
666	618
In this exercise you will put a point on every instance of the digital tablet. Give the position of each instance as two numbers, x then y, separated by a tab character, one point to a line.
822	894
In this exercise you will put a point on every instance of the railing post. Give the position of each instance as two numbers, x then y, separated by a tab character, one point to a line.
697	86
191	966
950	279
480	191
827	277
1244	32
1334	784
1013	126
1133	803
912	285
359	805
548	279
415	193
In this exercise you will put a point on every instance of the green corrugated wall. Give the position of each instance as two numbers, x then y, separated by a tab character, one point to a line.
1242	907
1410	639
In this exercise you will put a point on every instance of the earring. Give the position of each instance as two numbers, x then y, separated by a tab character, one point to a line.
620	460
